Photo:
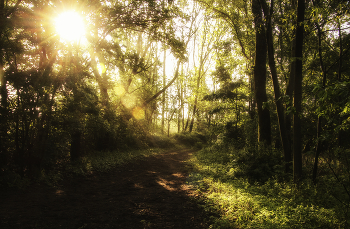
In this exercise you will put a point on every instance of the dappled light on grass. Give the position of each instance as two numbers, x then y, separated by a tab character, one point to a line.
273	204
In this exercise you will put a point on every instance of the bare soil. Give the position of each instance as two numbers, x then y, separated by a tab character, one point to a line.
147	193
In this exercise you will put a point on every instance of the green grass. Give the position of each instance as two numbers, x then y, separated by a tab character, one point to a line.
272	204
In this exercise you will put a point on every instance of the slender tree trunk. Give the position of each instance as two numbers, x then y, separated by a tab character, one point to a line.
179	111
187	121
195	104
340	52
3	93
264	135
163	95
297	167
290	87
319	119
279	103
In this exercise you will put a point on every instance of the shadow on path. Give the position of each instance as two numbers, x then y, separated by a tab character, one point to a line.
148	193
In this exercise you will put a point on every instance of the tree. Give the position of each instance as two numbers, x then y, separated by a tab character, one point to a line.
297	135
278	97
260	75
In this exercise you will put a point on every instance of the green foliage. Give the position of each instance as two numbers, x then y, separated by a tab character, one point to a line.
256	164
160	141
276	203
195	140
259	165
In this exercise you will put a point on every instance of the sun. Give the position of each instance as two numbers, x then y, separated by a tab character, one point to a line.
70	26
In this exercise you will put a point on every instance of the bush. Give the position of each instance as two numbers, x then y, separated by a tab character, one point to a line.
160	141
258	165
191	139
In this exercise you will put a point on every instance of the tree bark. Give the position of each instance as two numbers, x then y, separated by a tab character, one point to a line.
3	92
278	100
297	160
264	135
163	96
319	119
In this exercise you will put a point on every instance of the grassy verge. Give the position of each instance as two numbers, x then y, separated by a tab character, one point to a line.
271	204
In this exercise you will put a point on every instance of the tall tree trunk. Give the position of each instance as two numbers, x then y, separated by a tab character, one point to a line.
179	111
297	160
340	52
278	100
319	119
290	88
3	92
264	135
195	103
163	95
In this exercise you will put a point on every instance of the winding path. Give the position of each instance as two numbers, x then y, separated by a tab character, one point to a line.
147	193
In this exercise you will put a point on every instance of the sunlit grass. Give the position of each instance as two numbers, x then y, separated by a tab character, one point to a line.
274	204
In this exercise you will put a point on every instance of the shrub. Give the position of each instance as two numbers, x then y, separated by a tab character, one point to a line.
258	165
160	141
190	139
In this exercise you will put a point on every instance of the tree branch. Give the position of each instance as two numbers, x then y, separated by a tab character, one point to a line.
166	86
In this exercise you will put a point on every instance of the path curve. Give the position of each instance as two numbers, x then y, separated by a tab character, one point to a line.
147	193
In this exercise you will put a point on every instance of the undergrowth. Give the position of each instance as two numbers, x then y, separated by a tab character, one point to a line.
256	193
92	161
107	160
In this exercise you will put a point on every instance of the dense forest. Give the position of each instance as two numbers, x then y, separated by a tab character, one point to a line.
261	87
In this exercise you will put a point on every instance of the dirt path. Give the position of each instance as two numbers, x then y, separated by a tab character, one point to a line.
149	193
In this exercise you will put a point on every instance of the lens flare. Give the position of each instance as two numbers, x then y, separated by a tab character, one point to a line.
119	90
128	101
138	113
